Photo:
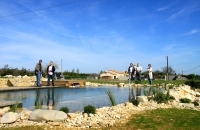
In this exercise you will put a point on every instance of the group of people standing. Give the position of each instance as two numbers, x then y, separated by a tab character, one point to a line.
135	73
50	72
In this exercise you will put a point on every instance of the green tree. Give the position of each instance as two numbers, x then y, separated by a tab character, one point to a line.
191	76
73	71
77	71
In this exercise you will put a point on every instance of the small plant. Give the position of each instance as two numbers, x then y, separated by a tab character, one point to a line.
171	86
64	109
111	97
137	82
14	107
196	103
160	97
171	97
185	100
89	109
134	102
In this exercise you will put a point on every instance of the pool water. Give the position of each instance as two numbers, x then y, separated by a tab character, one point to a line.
73	98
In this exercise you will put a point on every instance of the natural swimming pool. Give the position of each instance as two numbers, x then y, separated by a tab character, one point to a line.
74	98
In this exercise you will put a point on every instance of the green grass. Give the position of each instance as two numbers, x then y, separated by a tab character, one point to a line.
115	81
166	119
25	128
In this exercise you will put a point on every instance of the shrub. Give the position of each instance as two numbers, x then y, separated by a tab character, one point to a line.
171	86
64	109
196	103
137	82
89	109
193	84
134	102
160	97
185	100
172	98
191	76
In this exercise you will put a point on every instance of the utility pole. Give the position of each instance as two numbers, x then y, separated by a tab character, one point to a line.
167	70
61	68
182	75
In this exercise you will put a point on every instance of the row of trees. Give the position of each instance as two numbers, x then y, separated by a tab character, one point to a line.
74	74
68	75
15	71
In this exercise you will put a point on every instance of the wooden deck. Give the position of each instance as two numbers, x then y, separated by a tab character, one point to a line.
4	103
26	88
66	83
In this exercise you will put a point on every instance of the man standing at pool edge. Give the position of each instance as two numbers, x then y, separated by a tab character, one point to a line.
138	72
38	72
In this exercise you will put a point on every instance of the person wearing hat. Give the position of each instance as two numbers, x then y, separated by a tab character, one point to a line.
38	72
150	74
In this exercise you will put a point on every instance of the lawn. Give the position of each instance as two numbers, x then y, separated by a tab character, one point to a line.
163	119
115	81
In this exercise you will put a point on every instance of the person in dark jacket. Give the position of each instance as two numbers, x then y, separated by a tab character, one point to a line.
50	73
131	71
38	72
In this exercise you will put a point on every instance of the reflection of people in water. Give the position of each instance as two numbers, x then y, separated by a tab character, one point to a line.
131	93
138	91
50	98
38	99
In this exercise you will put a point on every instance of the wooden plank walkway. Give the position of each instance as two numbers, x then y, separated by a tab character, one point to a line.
4	103
26	88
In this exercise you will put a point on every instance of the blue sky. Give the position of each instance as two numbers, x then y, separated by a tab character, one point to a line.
93	35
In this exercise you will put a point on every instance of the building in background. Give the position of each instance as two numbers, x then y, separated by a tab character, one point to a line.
113	74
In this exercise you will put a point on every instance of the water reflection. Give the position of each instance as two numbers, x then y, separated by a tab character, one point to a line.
142	91
50	99
38	99
73	98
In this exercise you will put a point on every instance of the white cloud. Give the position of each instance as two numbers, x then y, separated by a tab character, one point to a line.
162	8
191	32
176	14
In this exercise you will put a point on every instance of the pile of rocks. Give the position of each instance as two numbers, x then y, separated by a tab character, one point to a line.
25	81
3	82
104	117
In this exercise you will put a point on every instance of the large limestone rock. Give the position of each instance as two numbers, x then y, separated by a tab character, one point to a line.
48	115
71	115
9	117
25	114
6	109
1	112
142	98
87	83
187	105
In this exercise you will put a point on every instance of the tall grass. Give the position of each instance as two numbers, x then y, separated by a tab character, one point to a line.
14	107
111	97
